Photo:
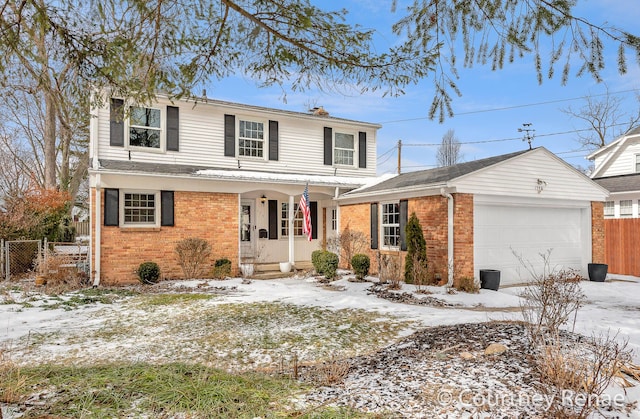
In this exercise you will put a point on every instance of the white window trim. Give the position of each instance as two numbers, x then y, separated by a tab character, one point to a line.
297	214
265	139
630	213
355	147
163	129
140	225
381	226
613	213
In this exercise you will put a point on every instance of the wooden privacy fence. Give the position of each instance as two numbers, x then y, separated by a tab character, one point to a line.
622	247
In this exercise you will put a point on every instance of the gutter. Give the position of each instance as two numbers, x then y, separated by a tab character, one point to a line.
450	254
98	231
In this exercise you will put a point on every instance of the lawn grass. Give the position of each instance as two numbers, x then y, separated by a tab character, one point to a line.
146	390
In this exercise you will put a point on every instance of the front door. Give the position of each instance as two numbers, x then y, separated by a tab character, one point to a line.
247	229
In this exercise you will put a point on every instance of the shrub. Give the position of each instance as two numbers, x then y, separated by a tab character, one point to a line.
416	250
192	254
222	268
329	262
361	264
389	270
148	272
325	263
316	255
468	284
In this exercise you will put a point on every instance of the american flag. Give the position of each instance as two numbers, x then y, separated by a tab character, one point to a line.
306	212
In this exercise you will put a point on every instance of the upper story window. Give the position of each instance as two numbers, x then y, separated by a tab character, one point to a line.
637	163
140	208
344	149
145	127
609	209
298	220
391	225
626	208
251	138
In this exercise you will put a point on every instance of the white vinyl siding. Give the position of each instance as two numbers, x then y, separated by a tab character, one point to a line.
300	141
521	177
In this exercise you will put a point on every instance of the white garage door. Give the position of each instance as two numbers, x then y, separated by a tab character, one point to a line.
502	232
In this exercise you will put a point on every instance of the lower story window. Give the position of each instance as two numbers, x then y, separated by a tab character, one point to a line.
391	225
334	219
139	208
297	220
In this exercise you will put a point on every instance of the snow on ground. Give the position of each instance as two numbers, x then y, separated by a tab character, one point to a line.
611	307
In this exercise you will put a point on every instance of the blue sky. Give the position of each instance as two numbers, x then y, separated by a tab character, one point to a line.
481	123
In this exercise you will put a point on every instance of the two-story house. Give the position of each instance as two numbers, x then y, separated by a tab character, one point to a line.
231	174
617	168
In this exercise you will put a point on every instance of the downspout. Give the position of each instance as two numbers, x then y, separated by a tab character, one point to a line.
450	241
97	240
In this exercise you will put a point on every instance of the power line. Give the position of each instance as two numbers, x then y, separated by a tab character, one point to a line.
548	102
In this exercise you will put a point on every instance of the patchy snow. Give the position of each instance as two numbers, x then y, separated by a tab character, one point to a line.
612	307
360	182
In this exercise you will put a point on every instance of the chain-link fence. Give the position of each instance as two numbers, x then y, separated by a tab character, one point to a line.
19	257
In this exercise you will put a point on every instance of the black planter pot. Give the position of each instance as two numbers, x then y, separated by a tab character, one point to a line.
597	271
489	279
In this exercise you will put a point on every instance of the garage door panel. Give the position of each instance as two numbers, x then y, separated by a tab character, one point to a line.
501	233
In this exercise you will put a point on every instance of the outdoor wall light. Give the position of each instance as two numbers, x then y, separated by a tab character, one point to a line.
263	199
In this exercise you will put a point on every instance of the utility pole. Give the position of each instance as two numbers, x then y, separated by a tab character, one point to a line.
399	156
528	136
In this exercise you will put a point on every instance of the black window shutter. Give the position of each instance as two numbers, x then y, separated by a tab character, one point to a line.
273	140
273	219
116	127
166	208
404	207
328	146
313	205
229	135
362	150
111	207
374	226
173	128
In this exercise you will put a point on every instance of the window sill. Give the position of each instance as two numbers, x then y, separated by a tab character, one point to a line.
138	229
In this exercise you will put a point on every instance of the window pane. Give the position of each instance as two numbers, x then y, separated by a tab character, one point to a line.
145	117
344	140
139	208
141	137
284	220
626	207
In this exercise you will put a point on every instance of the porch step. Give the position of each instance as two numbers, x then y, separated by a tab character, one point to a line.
272	270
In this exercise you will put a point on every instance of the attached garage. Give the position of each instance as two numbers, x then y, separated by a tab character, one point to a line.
505	233
493	213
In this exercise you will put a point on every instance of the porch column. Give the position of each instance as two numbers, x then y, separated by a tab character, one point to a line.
291	232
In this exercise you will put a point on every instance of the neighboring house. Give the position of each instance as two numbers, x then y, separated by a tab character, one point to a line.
228	173
481	214
617	168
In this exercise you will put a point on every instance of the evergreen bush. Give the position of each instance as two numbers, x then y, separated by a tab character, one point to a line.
148	272
222	268
329	263
316	257
361	264
416	248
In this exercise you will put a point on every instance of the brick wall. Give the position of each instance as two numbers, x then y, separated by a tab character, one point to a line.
597	232
463	235
432	213
210	216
